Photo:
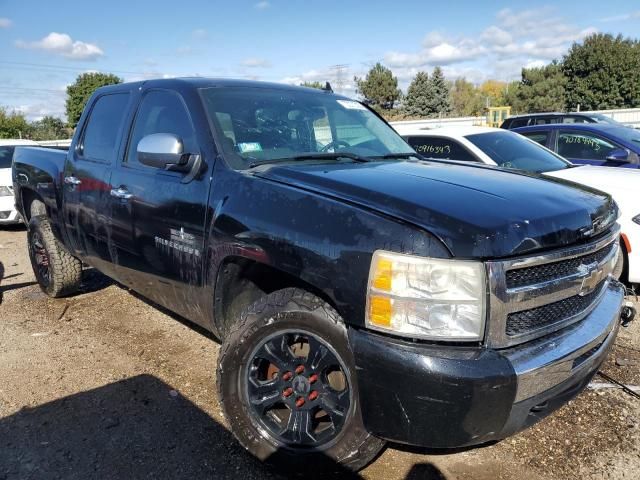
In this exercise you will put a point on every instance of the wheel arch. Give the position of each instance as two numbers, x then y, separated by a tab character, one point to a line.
241	281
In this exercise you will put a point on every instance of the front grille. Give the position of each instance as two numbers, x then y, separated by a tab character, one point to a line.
551	271
557	312
535	296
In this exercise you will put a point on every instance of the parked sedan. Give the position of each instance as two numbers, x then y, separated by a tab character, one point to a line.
592	144
503	148
8	212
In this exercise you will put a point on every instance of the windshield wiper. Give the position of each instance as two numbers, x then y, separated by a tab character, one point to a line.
313	156
399	155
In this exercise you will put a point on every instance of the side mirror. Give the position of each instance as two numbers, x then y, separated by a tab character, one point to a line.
618	155
162	150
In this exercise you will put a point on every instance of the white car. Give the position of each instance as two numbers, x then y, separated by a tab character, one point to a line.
502	148
8	212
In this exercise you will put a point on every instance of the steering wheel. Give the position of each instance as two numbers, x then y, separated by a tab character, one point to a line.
334	144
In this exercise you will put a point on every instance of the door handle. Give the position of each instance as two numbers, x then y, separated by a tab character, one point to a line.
72	180
121	193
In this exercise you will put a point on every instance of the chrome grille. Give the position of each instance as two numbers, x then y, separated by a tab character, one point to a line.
542	273
533	296
556	312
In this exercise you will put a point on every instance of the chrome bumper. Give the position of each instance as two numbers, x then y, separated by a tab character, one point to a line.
542	364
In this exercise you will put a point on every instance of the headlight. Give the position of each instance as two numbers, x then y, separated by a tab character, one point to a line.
428	298
5	191
636	219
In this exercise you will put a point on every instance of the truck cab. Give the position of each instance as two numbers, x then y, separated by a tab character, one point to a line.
361	293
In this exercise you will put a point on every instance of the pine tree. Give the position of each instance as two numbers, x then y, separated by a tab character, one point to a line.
419	96
440	97
379	88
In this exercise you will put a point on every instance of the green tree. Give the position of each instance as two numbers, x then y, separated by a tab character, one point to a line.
314	84
542	89
602	72
379	88
79	92
13	124
417	102
465	99
49	128
440	103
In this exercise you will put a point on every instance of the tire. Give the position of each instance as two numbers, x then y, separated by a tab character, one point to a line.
57	271
296	315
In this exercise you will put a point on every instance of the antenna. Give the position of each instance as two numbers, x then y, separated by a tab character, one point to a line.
327	87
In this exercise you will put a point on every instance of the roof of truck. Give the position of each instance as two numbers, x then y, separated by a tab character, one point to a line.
204	82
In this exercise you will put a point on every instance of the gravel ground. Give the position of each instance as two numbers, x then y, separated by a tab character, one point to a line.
106	385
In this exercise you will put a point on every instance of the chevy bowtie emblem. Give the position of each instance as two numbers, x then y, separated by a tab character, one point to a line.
592	277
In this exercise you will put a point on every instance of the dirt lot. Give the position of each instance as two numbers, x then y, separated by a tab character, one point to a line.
105	385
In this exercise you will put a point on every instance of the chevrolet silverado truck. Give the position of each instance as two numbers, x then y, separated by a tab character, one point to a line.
362	294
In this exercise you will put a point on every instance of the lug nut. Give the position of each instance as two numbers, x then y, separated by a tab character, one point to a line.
313	395
287	376
299	402
287	392
299	369
313	378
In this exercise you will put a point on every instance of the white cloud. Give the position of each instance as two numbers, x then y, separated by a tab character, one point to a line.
63	44
621	18
5	22
515	39
256	62
262	5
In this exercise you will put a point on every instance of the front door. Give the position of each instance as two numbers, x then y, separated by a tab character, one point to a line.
86	182
584	147
160	214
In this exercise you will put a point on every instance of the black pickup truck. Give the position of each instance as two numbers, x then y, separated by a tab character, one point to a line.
361	292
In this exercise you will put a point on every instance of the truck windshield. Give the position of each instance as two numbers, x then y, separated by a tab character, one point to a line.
259	125
511	150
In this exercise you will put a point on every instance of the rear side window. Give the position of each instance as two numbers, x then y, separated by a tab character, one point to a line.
440	148
517	122
103	126
6	154
539	137
162	111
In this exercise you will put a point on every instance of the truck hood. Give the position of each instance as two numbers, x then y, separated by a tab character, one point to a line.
620	183
477	212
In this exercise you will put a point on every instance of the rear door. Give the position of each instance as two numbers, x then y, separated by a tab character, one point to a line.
158	216
86	182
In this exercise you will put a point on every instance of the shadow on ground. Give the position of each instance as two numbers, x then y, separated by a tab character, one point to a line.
132	429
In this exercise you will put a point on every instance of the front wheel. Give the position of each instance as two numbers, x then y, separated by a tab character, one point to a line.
57	271
287	384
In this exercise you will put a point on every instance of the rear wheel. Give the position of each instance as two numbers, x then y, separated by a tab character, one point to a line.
57	271
287	383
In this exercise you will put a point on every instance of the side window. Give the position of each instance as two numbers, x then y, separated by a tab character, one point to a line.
161	111
104	123
441	148
584	145
518	122
540	137
541	121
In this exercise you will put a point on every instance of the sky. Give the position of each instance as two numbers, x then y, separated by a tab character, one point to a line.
44	44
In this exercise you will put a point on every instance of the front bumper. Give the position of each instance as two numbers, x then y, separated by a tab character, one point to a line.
444	397
8	212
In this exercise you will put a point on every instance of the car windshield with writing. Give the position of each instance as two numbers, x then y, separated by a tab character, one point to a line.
510	150
262	125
